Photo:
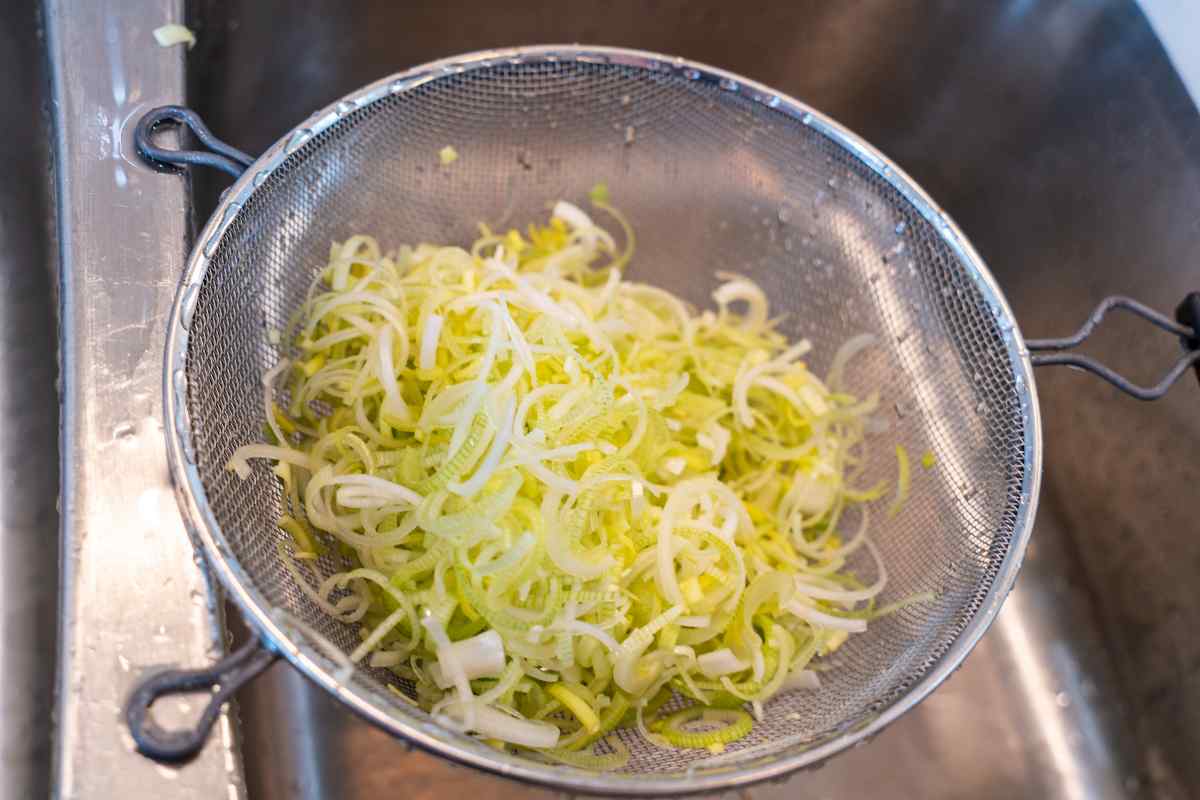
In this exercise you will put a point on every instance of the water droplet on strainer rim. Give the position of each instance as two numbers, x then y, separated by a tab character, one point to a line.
187	307
729	84
297	141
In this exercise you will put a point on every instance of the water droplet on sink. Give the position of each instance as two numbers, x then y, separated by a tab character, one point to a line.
170	773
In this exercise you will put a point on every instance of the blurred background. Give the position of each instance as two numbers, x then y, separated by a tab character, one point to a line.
1061	137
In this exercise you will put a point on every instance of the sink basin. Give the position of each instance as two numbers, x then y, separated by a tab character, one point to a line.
1060	139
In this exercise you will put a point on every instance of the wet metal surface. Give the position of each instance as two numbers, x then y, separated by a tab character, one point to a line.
132	598
1060	139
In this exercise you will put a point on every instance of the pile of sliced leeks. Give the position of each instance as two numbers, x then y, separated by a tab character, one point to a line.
558	496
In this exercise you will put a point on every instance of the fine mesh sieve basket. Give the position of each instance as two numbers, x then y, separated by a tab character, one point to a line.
716	173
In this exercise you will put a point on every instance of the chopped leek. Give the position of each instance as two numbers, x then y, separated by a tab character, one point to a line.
173	34
680	728
560	495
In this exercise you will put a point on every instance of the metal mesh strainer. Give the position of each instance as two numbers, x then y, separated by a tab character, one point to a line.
716	173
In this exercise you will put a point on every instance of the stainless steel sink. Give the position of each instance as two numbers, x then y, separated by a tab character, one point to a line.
1061	140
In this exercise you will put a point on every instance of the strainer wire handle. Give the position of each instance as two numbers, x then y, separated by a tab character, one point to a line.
222	679
219	155
1186	325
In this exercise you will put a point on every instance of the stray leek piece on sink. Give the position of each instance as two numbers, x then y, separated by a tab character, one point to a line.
557	496
173	34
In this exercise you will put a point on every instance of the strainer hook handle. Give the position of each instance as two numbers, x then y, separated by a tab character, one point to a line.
219	155
222	679
1186	325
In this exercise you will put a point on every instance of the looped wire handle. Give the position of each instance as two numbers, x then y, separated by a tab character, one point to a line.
1047	352
221	679
219	155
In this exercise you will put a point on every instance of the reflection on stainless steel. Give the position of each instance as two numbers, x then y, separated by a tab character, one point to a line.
132	598
28	449
1029	715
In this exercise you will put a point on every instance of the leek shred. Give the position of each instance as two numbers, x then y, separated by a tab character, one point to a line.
559	496
679	730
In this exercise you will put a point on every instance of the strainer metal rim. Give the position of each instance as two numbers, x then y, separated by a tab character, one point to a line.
307	657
